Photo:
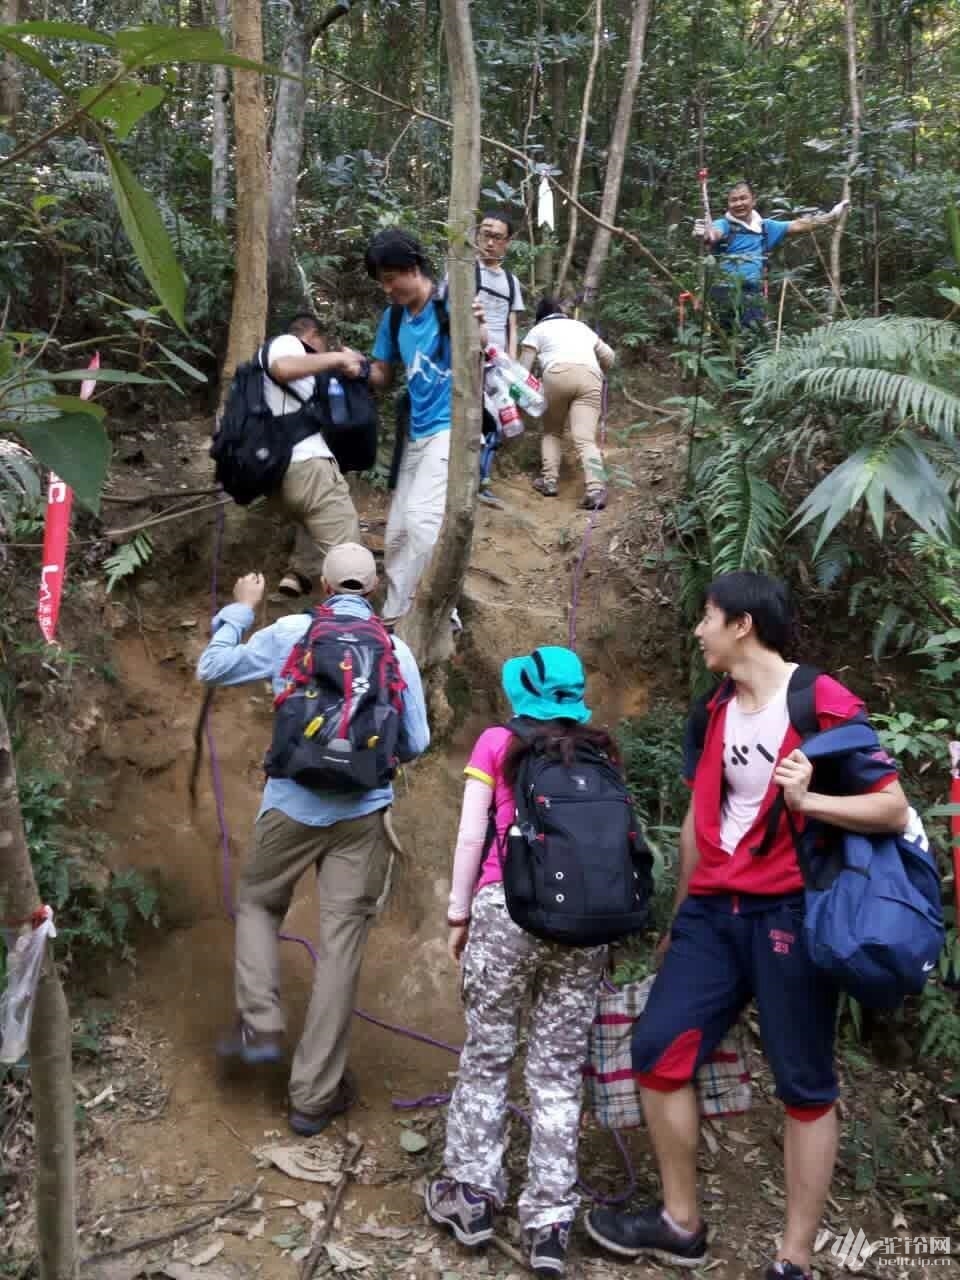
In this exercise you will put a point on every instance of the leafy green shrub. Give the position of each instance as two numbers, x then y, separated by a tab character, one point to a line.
652	749
88	916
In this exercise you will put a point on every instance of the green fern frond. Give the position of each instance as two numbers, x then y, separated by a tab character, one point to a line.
126	560
892	342
744	513
830	563
879	390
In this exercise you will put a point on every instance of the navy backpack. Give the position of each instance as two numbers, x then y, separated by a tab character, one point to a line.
873	920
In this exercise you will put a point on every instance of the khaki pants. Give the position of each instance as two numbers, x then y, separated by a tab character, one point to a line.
416	514
573	391
351	858
315	496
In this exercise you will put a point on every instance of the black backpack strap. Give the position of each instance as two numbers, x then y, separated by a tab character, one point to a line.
396	320
477	276
802	712
512	295
263	359
802	700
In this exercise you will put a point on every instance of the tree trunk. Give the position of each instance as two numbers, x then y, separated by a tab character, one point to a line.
581	143
51	1072
10	72
853	156
427	627
249	314
220	143
616	155
286	153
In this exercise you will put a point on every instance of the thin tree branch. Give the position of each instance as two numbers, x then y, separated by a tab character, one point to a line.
187	1228
309	1264
512	151
581	144
71	119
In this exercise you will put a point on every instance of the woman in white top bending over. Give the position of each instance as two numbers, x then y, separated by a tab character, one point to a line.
572	360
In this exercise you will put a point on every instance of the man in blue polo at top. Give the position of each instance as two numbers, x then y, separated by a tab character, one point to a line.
738	929
742	241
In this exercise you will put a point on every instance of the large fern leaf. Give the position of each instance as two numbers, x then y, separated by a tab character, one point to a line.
905	395
895	466
894	342
743	511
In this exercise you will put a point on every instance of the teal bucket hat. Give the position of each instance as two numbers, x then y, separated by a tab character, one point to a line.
547	684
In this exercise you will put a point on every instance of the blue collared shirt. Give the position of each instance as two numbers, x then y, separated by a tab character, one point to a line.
227	660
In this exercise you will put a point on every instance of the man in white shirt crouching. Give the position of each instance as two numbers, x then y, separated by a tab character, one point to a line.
314	493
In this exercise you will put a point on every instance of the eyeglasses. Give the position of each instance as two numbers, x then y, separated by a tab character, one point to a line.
493	235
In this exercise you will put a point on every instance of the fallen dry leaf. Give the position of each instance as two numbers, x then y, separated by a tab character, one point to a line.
315	1161
208	1254
347	1259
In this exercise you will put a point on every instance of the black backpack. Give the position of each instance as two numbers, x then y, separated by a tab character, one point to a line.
251	448
352	442
577	869
337	719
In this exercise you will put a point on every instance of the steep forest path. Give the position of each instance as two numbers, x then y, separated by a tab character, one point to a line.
517	595
183	1135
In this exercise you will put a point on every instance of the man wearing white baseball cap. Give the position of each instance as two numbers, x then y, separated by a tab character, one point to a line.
349	708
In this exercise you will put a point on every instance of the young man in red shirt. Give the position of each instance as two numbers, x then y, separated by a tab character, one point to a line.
737	932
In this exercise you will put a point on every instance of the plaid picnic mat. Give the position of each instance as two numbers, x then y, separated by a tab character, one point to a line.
722	1083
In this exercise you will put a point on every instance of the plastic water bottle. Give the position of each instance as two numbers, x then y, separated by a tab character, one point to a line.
338	402
502	404
525	389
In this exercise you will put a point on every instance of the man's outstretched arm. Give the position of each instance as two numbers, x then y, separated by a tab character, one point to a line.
226	659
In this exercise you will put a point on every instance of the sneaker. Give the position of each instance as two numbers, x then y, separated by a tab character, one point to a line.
596	500
787	1271
468	1213
309	1123
630	1234
547	487
294	585
252	1048
548	1249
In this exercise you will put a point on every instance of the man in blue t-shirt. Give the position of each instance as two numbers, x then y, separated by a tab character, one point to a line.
742	241
413	331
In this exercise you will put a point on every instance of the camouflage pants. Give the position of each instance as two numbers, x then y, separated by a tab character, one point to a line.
503	968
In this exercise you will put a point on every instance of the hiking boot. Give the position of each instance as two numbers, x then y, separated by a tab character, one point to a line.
631	1234
252	1048
596	500
548	1249
786	1271
547	487
468	1213
294	585
309	1124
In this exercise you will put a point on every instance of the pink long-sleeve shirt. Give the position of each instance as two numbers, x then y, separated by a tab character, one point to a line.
472	870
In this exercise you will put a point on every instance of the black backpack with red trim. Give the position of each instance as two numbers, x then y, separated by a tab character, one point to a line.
577	869
337	719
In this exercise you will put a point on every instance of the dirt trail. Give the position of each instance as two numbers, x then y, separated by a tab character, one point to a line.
517	595
199	1144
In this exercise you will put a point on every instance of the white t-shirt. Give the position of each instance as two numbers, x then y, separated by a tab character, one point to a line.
494	296
281	402
751	745
563	341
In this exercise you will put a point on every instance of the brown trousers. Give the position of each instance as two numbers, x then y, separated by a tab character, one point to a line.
317	498
573	392
351	859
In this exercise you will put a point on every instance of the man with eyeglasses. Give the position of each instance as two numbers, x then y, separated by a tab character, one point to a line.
498	289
